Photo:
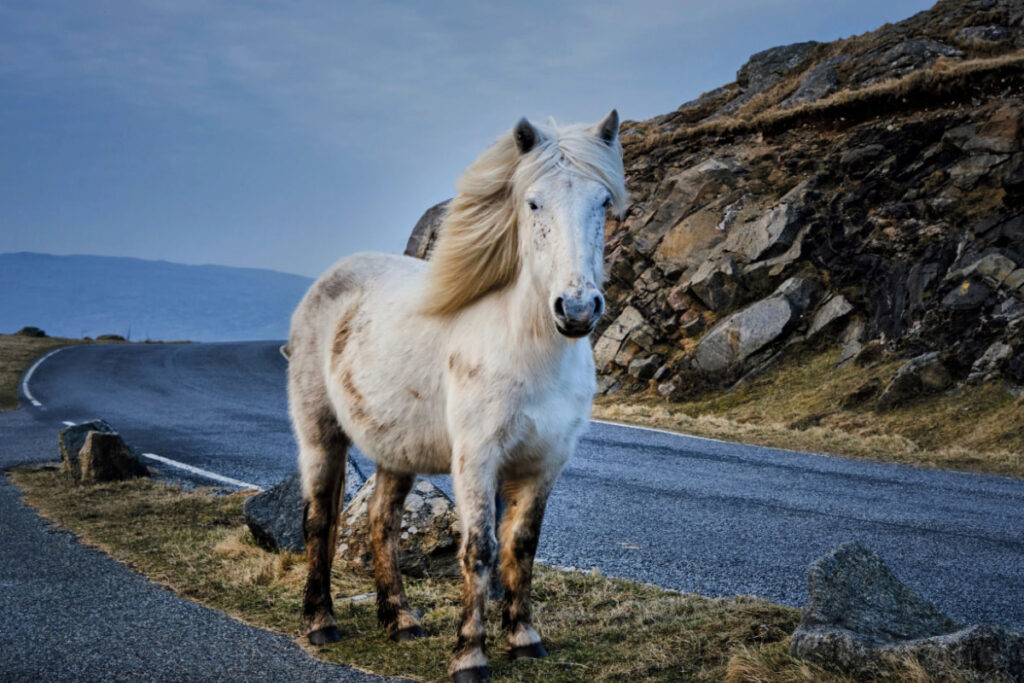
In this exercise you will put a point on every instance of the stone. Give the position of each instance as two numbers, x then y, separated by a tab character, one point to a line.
801	292
743	333
923	374
644	368
628	321
424	234
858	161
821	81
693	327
968	295
995	269
605	351
835	308
428	544
763	70
981	36
771	234
106	457
690	241
30	332
71	439
717	284
987	366
275	516
859	617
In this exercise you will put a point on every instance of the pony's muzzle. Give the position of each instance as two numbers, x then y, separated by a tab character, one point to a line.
576	316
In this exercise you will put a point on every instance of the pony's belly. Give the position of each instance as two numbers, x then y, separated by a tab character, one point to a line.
399	447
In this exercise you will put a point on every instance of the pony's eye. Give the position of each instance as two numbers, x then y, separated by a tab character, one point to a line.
533	206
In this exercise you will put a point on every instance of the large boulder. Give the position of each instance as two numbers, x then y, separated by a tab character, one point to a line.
106	457
924	374
429	540
737	337
424	235
860	618
275	516
71	439
771	234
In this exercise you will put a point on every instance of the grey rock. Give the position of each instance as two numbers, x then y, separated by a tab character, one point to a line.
763	70
628	321
717	284
899	59
973	36
743	333
819	82
605	350
644	368
106	457
924	374
71	439
424	235
860	617
800	292
859	160
986	367
30	332
691	328
995	269
773	233
429	539
969	294
275	516
835	308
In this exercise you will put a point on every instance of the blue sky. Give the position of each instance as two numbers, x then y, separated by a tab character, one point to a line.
286	135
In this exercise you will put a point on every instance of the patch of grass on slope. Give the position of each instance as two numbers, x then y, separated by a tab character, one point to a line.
16	355
596	628
803	404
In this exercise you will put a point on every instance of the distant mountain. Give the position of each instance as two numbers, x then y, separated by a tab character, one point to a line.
75	296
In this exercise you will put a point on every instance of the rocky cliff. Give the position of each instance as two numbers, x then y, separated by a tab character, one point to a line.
865	192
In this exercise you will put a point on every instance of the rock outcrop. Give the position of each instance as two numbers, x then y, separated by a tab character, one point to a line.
429	538
888	168
860	618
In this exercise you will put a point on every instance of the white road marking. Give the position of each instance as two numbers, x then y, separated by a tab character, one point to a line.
69	423
28	376
665	431
201	472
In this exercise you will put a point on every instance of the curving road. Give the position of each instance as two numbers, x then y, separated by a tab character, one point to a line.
684	513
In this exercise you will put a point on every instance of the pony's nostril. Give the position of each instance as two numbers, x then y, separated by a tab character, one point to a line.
598	306
559	309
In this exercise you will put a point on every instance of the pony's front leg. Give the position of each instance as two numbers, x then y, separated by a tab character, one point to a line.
526	499
393	610
473	476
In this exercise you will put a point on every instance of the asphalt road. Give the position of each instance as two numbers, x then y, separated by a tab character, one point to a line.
684	513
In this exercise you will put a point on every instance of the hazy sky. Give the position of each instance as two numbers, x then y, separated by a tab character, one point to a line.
286	135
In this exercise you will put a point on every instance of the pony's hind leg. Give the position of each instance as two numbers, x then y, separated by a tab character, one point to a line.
386	504
520	531
323	451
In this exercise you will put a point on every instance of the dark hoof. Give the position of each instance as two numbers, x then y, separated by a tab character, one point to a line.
474	675
324	635
531	651
405	635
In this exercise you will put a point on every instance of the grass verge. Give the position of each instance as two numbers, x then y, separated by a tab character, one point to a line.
806	403
597	629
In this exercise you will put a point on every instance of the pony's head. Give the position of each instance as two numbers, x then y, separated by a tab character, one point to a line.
533	205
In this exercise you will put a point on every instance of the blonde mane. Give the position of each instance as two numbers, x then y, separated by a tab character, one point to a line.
478	248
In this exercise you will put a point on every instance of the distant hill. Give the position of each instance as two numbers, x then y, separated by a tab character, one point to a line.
77	296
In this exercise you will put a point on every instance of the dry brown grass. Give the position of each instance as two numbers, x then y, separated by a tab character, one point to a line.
942	83
800	406
596	628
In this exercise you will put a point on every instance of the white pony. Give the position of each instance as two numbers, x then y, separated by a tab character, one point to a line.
475	363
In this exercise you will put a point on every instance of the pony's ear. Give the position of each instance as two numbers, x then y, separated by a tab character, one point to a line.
526	136
608	129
